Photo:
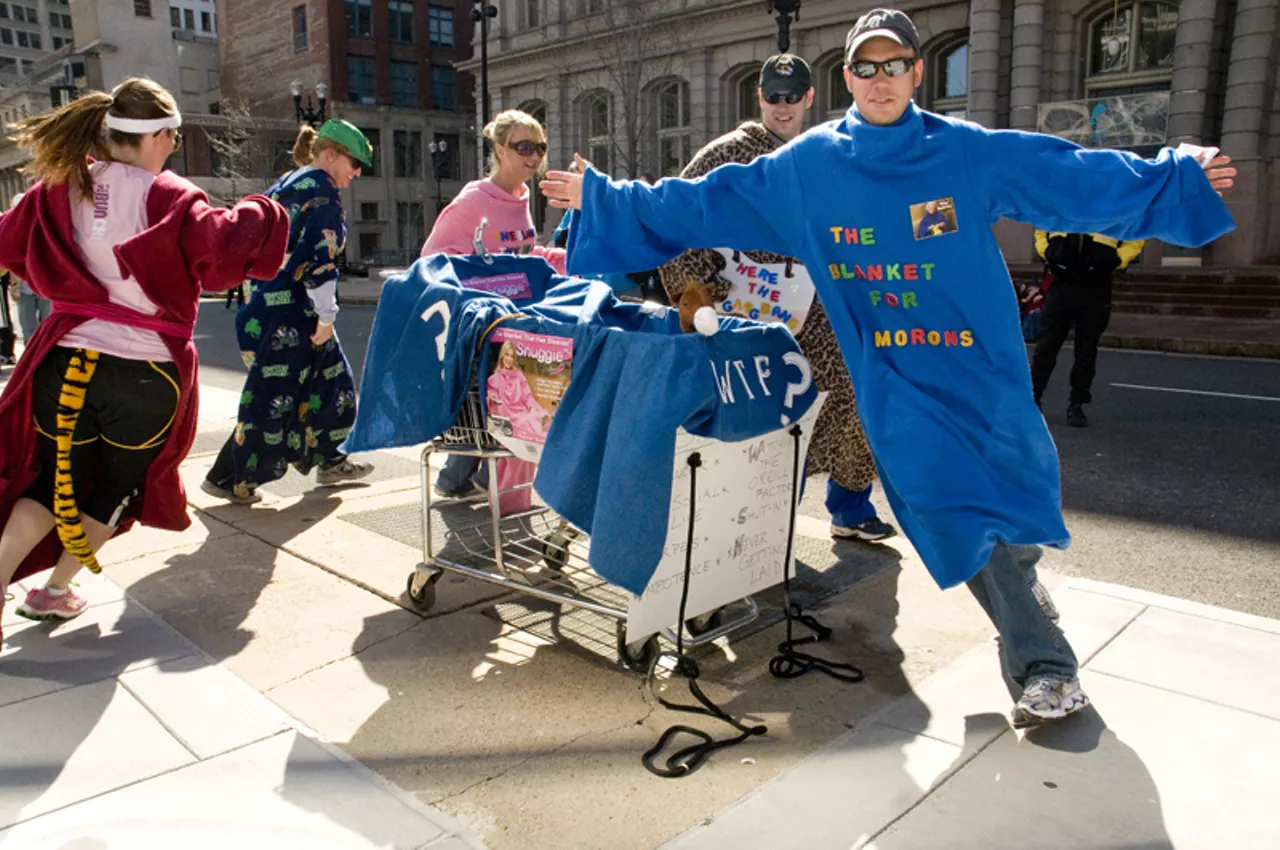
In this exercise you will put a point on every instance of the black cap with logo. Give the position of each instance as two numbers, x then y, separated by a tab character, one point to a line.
785	73
881	23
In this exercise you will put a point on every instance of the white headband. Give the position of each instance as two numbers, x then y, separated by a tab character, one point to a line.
143	126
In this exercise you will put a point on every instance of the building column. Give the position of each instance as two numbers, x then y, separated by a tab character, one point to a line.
1024	84
984	61
1245	128
1192	54
703	102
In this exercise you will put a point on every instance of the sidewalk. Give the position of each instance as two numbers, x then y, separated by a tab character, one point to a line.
262	679
1179	748
116	731
1149	332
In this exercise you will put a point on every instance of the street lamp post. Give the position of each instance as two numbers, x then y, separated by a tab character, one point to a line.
309	114
788	10
481	14
438	150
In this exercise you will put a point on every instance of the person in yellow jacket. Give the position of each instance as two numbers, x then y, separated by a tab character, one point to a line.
1079	298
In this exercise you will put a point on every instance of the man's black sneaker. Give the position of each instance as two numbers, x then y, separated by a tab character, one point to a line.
871	530
1076	417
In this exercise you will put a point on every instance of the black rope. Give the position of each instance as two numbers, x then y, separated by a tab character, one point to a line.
688	759
788	663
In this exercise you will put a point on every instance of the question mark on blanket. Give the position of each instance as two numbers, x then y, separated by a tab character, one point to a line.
798	360
441	308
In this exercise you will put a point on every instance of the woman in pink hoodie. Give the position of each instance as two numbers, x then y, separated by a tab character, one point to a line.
519	154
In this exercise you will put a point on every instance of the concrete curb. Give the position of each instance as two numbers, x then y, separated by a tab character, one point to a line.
1216	347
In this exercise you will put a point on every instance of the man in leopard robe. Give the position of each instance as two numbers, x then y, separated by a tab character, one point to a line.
839	446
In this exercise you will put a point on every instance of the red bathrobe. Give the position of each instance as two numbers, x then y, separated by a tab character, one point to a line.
188	247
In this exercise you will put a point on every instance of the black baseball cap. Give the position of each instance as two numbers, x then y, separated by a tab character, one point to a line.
881	23
785	73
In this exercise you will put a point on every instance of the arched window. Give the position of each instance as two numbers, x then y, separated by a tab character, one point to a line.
595	129
1130	48
950	70
747	96
835	96
671	109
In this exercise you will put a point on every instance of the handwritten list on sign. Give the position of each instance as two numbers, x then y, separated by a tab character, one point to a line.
741	515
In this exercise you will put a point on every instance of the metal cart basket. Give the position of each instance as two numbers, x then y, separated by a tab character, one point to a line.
535	552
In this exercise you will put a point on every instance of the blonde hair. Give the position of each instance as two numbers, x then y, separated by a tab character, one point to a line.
508	347
311	144
62	141
499	132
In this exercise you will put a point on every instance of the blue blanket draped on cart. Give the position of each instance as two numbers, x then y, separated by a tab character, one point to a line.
607	462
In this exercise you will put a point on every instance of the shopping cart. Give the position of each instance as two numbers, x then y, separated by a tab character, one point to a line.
535	552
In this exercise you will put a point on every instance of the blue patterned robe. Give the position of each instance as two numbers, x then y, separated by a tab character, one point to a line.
299	400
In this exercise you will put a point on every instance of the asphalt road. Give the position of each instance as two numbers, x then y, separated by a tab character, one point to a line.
1176	492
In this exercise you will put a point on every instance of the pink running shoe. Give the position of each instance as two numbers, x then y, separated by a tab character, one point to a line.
43	605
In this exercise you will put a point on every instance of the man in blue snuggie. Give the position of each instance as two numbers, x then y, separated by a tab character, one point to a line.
928	326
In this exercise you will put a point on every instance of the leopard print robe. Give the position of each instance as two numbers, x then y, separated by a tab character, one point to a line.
839	446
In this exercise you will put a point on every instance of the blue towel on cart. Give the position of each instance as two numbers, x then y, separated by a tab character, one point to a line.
637	379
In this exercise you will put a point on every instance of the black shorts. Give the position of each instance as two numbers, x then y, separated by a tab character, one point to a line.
128	410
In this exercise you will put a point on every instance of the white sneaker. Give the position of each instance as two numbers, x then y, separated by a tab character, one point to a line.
1041	594
1046	699
341	472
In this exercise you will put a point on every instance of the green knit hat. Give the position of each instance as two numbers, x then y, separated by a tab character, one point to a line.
350	137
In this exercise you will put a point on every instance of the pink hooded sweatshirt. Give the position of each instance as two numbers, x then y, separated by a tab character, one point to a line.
510	229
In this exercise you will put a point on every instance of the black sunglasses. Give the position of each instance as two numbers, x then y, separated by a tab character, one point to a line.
775	99
891	68
528	148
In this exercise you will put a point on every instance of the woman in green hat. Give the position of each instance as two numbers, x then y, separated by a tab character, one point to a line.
299	400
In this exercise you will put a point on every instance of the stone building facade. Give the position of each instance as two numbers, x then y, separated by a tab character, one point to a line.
639	85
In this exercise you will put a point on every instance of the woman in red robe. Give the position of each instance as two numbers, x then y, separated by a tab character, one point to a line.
102	407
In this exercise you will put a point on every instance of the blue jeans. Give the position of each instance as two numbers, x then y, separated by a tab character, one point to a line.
1030	644
32	310
849	508
458	470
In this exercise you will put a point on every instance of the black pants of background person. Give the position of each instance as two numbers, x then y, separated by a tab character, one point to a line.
6	324
237	294
1084	308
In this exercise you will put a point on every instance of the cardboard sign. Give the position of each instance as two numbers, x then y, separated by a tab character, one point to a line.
742	516
766	292
528	374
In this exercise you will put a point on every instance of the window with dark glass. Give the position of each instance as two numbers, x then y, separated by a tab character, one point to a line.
400	20
362	86
748	97
444	88
189	18
450	162
951	85
836	98
359	18
1132	40
440	22
408	153
142	8
404	84
299	28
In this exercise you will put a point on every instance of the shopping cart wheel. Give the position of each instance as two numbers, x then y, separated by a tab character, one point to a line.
422	588
555	549
636	656
704	623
